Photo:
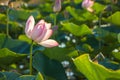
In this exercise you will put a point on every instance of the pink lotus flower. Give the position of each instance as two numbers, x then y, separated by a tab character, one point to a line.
40	32
88	4
57	6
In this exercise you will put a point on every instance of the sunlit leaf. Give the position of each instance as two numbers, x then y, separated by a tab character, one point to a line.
77	30
98	8
94	71
114	18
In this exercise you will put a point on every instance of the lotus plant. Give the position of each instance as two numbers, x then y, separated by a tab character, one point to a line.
87	4
40	32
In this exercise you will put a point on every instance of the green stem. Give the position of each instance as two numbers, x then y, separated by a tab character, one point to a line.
55	19
100	17
7	25
31	48
55	23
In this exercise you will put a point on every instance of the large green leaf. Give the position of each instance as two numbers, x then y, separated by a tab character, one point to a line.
48	67
94	71
7	57
76	29
114	18
60	54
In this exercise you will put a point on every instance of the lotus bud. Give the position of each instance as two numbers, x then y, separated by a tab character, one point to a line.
57	6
